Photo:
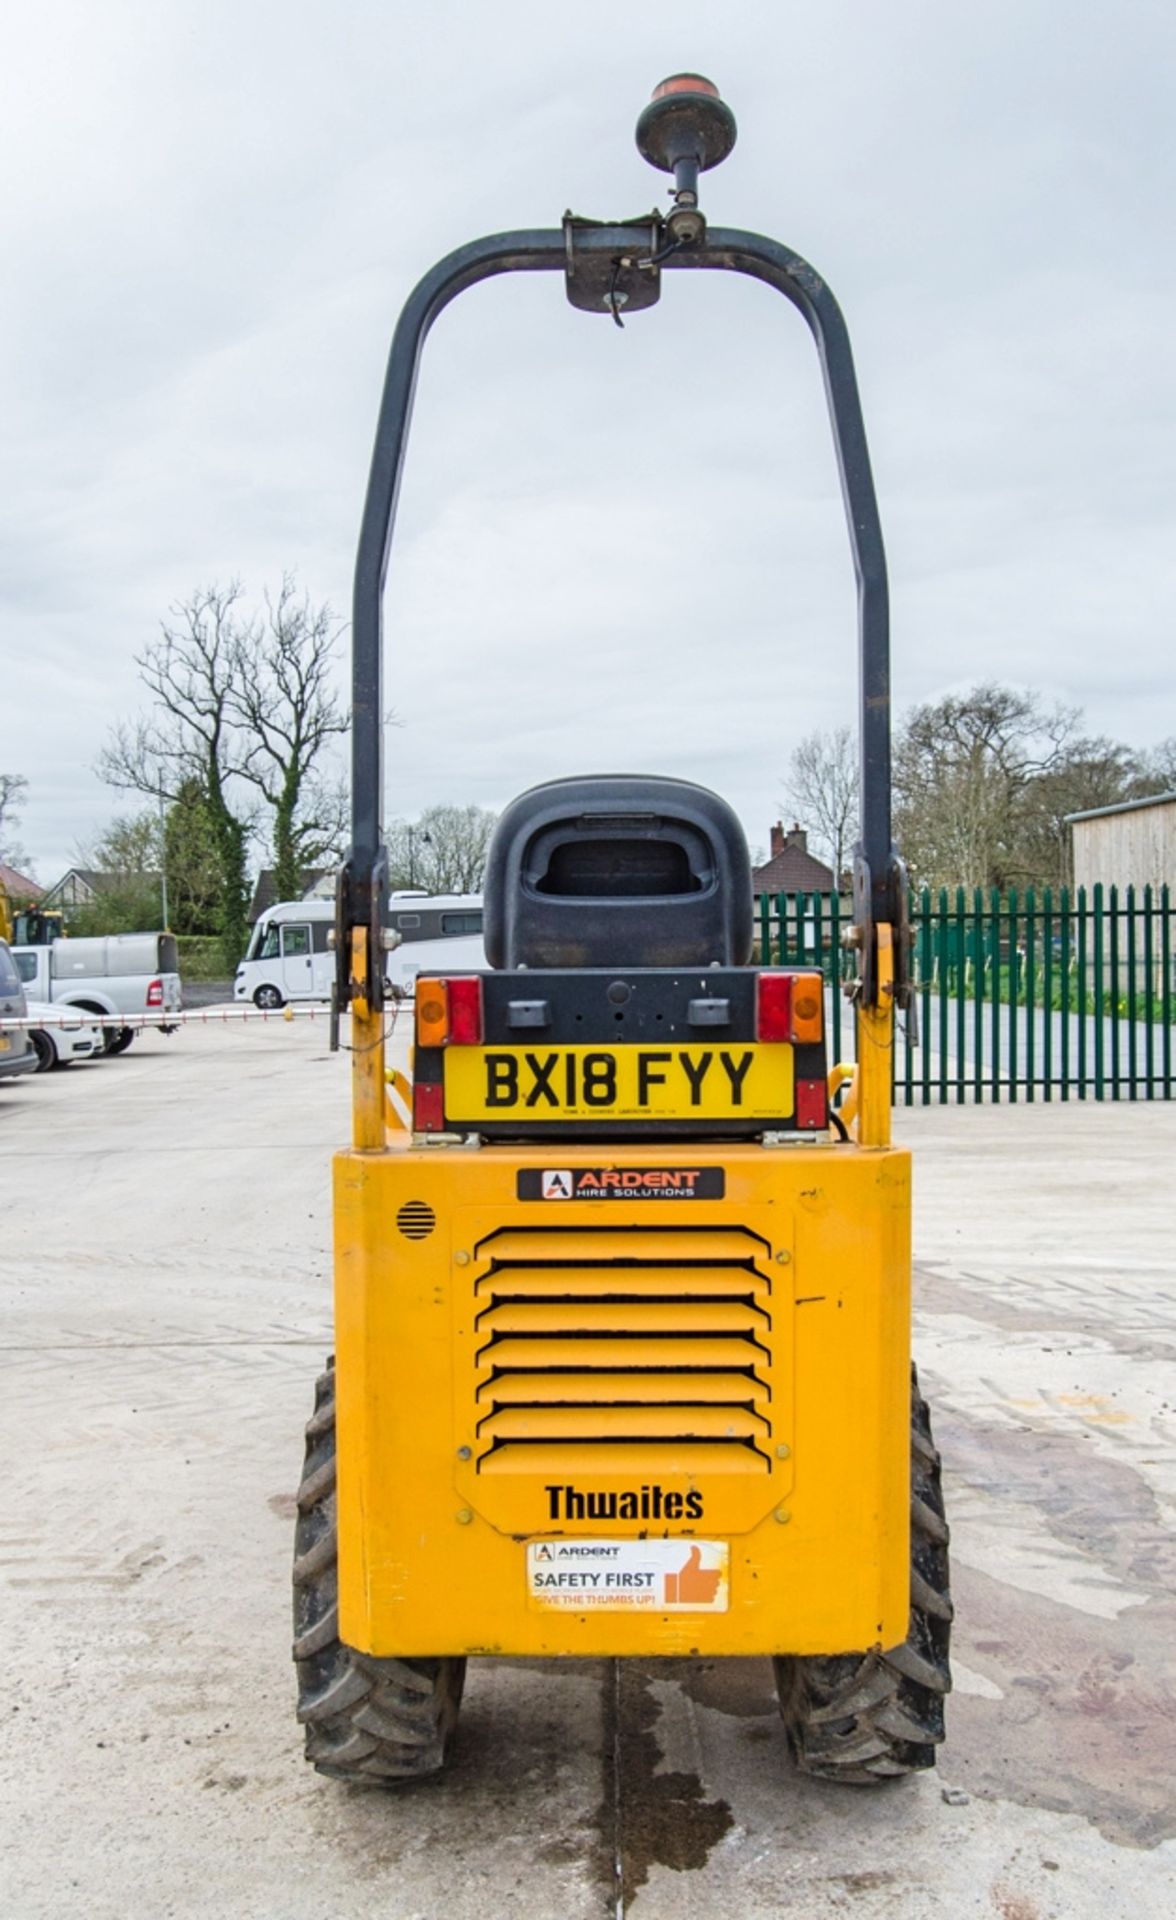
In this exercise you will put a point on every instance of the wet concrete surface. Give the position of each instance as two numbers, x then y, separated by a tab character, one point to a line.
165	1295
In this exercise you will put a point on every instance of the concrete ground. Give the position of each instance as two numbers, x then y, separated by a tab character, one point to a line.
165	1291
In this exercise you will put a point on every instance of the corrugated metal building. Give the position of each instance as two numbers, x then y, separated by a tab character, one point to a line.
1129	845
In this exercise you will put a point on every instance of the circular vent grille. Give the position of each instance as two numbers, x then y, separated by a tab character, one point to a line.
416	1220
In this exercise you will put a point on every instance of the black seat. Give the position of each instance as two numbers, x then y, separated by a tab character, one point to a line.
618	870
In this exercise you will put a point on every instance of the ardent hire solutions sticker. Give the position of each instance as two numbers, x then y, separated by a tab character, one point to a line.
654	1576
621	1183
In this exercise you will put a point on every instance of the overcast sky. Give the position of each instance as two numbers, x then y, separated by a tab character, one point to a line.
616	550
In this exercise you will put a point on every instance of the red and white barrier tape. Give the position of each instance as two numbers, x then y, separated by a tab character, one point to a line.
71	1018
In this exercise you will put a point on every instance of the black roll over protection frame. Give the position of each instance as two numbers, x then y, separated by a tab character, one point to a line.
615	268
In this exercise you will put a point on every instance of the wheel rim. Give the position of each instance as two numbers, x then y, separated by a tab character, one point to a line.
267	997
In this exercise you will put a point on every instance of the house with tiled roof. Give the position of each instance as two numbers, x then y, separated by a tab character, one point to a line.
18	886
790	867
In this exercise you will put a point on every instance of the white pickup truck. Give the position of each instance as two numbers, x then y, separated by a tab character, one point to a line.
111	973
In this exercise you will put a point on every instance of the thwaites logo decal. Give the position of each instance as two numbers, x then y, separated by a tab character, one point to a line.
621	1183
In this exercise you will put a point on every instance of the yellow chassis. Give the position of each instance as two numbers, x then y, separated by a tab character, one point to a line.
435	1522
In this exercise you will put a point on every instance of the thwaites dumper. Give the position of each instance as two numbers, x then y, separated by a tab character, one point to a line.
622	1302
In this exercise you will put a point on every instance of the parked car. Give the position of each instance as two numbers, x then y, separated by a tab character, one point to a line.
58	1046
110	973
16	1051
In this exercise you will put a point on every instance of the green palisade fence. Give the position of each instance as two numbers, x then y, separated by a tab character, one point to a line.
1057	994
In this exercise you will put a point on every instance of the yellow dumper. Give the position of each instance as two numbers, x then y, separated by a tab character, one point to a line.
622	1298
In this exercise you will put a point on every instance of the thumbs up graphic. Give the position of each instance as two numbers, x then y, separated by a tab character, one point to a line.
694	1585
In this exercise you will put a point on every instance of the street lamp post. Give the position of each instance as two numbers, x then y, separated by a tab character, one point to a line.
163	857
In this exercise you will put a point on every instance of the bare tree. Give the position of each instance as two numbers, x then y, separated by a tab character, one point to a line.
961	767
240	700
285	710
1158	768
442	852
985	779
191	672
13	789
822	791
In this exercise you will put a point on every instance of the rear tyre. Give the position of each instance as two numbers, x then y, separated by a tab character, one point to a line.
267	998
366	1719
45	1051
120	1039
866	1717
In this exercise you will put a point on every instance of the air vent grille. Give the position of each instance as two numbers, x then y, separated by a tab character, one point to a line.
593	1341
416	1219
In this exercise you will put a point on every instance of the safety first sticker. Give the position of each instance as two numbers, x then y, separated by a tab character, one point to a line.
628	1576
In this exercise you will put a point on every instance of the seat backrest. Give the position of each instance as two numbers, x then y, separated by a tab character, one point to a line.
618	869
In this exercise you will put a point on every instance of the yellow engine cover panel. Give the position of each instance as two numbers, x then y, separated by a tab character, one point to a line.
623	1425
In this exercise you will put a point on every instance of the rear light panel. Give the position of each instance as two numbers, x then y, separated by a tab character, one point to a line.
790	1006
448	1014
155	994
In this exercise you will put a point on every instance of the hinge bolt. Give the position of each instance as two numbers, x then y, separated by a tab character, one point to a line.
464	1516
783	1258
783	1453
464	1453
461	1258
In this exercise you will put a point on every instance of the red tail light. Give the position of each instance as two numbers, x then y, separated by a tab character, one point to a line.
773	1008
465	1012
155	994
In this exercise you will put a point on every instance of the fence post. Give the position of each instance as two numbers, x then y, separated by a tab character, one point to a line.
835	970
1116	1035
961	985
1166	1010
926	969
1064	964
1132	1028
1099	1013
1047	994
1014	991
1030	992
1149	993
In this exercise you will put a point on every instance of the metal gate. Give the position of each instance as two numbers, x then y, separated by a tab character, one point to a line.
1054	995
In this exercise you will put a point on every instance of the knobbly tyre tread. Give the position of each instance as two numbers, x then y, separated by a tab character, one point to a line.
864	1718
366	1719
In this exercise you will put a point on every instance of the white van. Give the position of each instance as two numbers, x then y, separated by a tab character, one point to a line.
288	958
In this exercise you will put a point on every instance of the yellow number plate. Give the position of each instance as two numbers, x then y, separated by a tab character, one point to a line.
735	1082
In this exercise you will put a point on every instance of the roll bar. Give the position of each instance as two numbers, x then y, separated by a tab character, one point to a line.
609	268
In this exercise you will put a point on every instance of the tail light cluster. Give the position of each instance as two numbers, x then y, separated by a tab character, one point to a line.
448	1014
155	994
790	1006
